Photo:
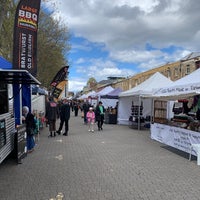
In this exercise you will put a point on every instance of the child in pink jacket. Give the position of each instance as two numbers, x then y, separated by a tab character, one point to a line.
90	119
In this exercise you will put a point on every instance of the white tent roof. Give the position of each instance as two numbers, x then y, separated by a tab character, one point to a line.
187	86
85	96
90	93
104	91
157	80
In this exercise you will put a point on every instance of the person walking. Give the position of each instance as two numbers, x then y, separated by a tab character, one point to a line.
28	119
90	119
99	115
51	116
76	107
64	117
85	107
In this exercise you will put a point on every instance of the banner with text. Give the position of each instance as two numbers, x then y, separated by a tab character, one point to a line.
25	36
176	137
59	82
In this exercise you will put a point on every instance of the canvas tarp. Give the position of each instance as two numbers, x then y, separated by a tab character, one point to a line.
139	94
110	99
114	94
4	64
189	85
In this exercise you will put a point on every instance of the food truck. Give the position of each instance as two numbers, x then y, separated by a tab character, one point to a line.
12	83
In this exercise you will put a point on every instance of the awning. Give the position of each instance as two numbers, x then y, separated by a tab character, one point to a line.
12	76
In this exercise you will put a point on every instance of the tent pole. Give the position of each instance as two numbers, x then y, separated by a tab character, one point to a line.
139	113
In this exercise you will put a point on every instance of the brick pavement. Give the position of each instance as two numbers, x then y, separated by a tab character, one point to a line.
118	163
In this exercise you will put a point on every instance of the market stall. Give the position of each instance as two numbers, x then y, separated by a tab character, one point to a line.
182	130
135	109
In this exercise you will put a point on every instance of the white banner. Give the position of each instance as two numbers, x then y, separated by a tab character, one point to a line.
176	137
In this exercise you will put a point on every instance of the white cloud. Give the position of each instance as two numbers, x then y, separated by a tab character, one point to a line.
125	27
100	70
76	85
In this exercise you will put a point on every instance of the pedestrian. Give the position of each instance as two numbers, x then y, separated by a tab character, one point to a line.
85	107
91	119
64	117
51	116
28	119
76	107
99	115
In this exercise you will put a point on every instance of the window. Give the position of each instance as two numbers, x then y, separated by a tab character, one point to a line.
176	71
187	69
168	73
4	98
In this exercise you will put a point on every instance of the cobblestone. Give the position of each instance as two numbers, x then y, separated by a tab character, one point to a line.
117	163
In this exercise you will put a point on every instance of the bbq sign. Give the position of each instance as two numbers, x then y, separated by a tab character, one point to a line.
28	18
25	36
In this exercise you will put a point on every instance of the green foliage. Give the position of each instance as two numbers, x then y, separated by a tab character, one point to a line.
52	46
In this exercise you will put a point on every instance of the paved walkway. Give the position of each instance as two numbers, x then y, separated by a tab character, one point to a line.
117	163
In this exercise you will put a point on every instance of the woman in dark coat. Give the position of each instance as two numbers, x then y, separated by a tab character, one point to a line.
99	115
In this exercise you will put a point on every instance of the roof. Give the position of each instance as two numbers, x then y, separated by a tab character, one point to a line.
187	86
113	94
18	76
191	56
155	81
11	76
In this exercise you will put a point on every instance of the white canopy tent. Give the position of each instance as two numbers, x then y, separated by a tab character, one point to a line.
189	85
85	96
140	93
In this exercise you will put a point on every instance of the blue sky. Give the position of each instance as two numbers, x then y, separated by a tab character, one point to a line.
126	37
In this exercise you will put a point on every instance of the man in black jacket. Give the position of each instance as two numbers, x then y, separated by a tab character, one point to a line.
64	117
51	115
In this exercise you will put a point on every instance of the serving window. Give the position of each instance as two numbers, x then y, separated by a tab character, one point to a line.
3	98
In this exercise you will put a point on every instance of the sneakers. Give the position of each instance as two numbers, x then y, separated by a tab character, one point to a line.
93	131
89	130
65	134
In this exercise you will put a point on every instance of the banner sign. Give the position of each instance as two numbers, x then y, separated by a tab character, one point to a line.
25	36
57	91
59	82
178	90
176	137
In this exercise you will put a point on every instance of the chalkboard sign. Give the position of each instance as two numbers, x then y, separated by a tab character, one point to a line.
2	133
21	142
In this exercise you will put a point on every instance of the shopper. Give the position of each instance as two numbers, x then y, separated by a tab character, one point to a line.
28	119
64	117
85	107
99	115
90	119
51	116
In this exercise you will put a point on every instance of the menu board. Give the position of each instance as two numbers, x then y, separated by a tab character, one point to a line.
21	142
2	133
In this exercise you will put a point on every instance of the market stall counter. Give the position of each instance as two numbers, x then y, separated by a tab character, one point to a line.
111	116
